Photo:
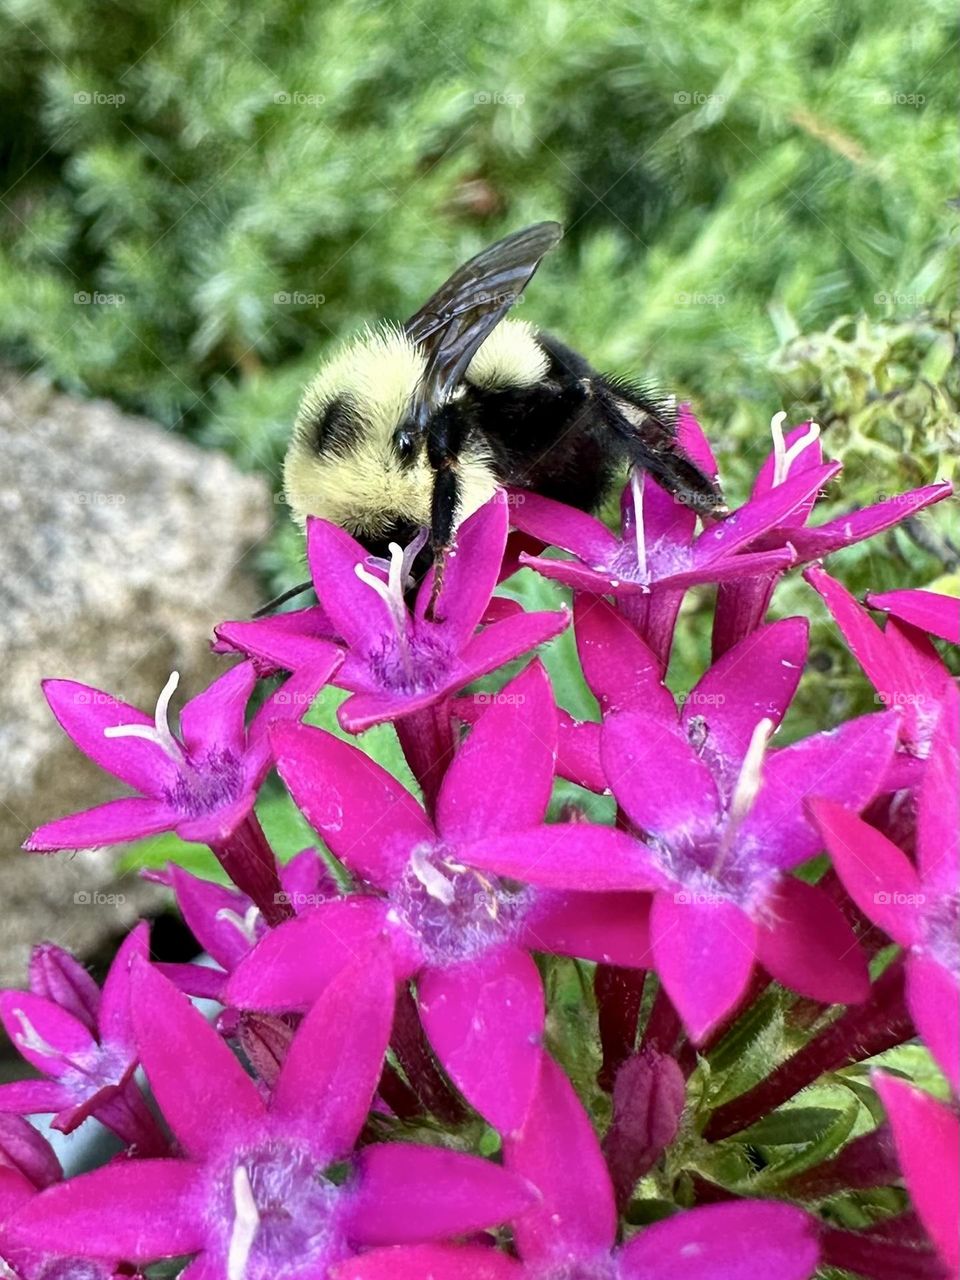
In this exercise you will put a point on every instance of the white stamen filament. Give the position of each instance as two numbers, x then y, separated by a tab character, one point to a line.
29	1038
746	789
391	593
410	554
245	1225
159	732
784	458
433	880
636	489
246	925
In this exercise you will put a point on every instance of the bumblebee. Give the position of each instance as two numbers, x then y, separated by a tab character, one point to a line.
416	425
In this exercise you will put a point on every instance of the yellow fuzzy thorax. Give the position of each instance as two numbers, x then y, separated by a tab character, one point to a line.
364	489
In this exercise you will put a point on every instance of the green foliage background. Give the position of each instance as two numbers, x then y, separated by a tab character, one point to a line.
756	196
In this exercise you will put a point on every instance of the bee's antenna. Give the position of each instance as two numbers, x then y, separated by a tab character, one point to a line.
283	597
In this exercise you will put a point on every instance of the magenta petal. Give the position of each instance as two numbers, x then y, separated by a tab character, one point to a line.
217	825
25	1152
568	855
929	610
484	1018
748	1240
35	1097
295	696
501	777
754	680
273	643
58	976
821	541
471	572
622	672
357	613
579	576
657	776
927	1137
293	963
610	928
810	456
704	956
366	817
331	1070
557	1151
758	515
47	1036
215	916
408	1194
933	998
503	641
694	442
141	1210
666	522
193	1074
430	1262
84	713
879	877
116	1016
938	816
806	943
115	822
214	720
578	752
561	526
864	638
847	764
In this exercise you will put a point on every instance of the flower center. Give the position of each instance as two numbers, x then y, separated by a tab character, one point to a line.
90	1070
601	1268
74	1269
281	1215
454	912
409	659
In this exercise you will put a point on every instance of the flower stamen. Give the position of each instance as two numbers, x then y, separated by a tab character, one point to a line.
745	791
246	1223
431	877
784	458
636	490
159	733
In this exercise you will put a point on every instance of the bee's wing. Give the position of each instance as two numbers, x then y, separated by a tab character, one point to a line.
451	326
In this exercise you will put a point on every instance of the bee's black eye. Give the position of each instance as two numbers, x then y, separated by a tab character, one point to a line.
403	443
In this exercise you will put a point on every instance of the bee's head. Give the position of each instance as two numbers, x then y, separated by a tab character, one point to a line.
358	456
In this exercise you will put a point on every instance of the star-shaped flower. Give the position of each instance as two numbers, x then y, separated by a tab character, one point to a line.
268	1190
81	1040
202	784
917	905
742	605
400	661
464	934
571	1234
648	568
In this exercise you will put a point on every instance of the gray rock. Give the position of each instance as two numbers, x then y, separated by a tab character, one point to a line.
122	546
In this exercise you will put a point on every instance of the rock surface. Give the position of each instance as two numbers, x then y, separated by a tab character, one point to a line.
122	545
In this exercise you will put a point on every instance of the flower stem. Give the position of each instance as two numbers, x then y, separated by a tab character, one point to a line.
413	1053
881	1256
427	739
880	1023
129	1117
868	1161
250	863
619	995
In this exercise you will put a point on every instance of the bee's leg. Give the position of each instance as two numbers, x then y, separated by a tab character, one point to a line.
443	520
648	436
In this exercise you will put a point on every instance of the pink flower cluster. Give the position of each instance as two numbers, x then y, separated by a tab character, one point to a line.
426	1024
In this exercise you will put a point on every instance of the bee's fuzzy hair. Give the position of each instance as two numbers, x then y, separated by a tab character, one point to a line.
510	357
362	486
